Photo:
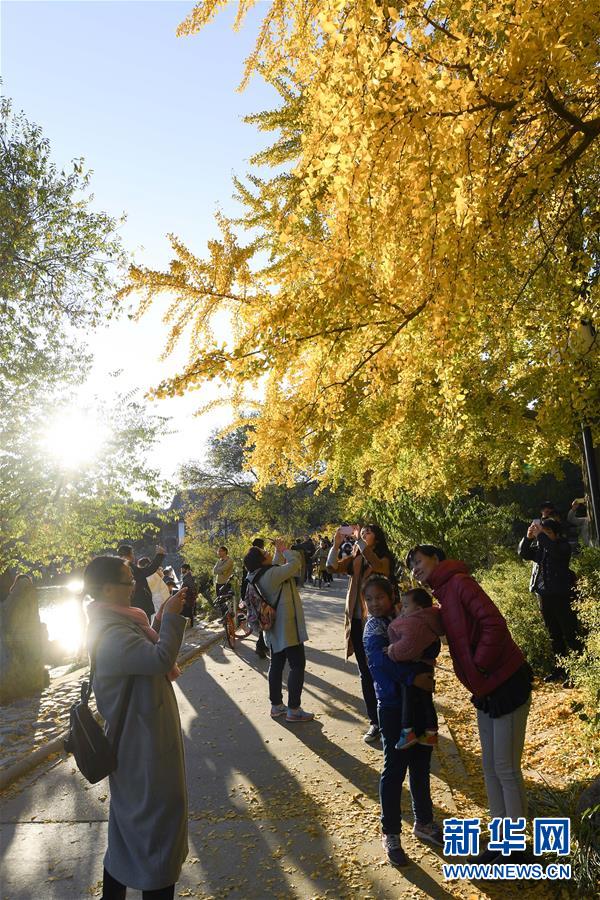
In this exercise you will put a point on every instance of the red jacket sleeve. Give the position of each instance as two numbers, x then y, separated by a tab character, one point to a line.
493	629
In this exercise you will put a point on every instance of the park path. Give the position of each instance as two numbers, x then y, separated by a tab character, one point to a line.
275	810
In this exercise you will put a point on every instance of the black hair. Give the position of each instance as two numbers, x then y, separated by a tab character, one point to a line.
144	561
100	571
420	596
380	581
125	550
426	550
380	546
554	512
222	547
259	542
185	567
254	559
552	525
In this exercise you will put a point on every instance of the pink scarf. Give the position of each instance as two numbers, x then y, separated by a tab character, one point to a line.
139	618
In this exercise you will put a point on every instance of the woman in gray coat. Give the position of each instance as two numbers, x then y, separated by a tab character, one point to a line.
147	826
273	580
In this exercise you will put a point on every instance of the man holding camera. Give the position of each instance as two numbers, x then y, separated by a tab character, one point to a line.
552	582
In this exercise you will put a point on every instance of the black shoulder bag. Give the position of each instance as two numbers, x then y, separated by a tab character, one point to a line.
95	755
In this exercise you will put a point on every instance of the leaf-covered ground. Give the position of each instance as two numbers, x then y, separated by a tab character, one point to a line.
560	757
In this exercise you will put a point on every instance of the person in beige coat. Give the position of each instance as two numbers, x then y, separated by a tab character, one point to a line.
147	825
273	578
370	555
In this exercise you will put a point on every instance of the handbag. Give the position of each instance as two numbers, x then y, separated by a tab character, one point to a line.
95	755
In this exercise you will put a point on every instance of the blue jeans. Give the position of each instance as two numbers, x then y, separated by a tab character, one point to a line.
416	760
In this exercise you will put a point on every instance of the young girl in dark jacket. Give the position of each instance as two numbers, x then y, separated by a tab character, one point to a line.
489	664
388	678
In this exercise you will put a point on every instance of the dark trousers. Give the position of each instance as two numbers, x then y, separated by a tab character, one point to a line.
261	647
114	890
366	681
417	760
296	659
561	623
418	711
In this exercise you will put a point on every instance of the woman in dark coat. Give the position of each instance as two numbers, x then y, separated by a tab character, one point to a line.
147	827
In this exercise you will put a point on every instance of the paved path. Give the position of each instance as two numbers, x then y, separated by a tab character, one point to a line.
275	810
30	724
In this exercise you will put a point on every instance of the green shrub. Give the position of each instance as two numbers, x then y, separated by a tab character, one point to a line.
467	528
200	550
584	668
507	583
585	835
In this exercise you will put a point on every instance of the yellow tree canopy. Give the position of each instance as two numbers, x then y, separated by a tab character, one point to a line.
412	296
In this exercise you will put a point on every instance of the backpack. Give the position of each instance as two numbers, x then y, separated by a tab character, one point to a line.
95	755
265	612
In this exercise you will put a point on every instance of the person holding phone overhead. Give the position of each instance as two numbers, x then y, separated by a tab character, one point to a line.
147	825
552	583
370	556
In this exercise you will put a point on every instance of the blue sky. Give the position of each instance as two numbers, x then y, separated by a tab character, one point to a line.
159	121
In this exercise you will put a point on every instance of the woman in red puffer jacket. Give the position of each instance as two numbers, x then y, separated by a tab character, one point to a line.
490	665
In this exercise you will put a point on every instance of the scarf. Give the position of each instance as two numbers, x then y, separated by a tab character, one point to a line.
139	618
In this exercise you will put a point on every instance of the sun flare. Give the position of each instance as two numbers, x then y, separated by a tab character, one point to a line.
75	438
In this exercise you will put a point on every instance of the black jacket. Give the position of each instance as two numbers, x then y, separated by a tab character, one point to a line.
189	607
142	596
551	573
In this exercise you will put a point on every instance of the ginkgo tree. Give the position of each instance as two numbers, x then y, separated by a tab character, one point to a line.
419	275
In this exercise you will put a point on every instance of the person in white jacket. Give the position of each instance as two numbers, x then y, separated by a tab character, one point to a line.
156	583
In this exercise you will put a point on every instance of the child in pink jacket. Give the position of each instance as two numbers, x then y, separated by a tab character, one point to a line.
414	635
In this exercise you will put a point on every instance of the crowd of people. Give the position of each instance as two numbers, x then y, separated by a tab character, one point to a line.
395	636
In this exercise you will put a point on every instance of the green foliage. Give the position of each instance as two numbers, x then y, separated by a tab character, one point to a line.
58	263
584	668
57	256
507	583
53	513
466	528
200	551
223	499
585	836
223	505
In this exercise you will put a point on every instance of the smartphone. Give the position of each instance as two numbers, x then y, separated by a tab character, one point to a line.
346	530
537	522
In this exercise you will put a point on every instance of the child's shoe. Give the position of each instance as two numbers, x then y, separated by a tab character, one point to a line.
429	739
393	850
407	739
